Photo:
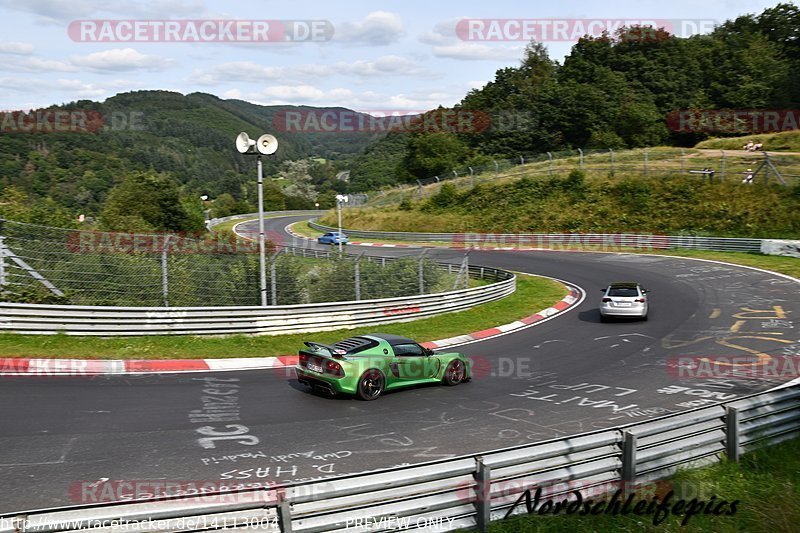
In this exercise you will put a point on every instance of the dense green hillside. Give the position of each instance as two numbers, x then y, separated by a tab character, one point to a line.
188	138
613	91
675	205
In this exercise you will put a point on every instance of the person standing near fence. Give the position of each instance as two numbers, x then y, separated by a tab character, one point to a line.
748	177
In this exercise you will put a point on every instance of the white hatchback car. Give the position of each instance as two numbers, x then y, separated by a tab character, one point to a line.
624	300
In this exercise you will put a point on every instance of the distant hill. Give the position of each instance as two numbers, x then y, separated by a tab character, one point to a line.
188	136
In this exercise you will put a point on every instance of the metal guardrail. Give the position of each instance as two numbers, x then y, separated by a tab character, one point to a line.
561	240
456	493
279	319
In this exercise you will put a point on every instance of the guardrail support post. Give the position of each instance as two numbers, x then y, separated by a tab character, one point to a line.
483	499
732	433
164	278
284	514
628	461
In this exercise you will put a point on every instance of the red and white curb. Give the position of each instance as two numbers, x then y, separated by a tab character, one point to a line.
97	367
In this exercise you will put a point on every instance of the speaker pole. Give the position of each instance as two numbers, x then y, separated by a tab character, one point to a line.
262	263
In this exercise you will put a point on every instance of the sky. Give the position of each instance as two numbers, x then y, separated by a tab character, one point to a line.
365	55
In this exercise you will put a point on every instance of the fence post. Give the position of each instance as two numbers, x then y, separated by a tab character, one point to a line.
732	433
628	461
683	155
611	155
2	256
421	276
483	499
164	278
550	157
521	160
580	160
273	281
419	188
645	162
722	178
471	178
357	275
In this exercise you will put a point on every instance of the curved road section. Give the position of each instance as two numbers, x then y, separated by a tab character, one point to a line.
69	441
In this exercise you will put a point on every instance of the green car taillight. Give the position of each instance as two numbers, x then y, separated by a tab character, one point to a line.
333	368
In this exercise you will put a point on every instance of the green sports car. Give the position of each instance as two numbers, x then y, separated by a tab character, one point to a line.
367	365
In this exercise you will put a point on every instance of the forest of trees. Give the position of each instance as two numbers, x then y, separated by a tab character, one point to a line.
613	91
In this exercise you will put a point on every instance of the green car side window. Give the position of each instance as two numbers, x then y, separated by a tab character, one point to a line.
408	350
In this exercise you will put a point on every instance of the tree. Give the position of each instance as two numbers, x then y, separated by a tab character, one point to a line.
147	201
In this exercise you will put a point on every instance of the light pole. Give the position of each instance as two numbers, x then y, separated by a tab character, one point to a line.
340	199
265	145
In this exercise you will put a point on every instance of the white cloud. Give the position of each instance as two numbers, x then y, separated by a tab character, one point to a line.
479	52
379	28
38	65
441	34
16	48
81	89
59	11
121	59
21	84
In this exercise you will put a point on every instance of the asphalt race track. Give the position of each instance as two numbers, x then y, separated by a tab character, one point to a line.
64	440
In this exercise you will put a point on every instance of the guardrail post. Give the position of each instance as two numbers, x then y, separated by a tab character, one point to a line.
628	461
580	159
732	433
164	278
357	275
421	273
483	499
284	513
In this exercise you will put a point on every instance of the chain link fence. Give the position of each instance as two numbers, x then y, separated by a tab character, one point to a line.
705	164
40	264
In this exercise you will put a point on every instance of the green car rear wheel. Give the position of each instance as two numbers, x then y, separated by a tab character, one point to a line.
370	385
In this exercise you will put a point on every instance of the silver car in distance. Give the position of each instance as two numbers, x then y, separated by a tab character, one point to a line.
627	299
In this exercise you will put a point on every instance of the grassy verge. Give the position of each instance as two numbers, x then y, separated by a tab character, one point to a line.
782	141
766	482
533	294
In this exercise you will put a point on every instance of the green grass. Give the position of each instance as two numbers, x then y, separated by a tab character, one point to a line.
533	294
785	141
766	482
